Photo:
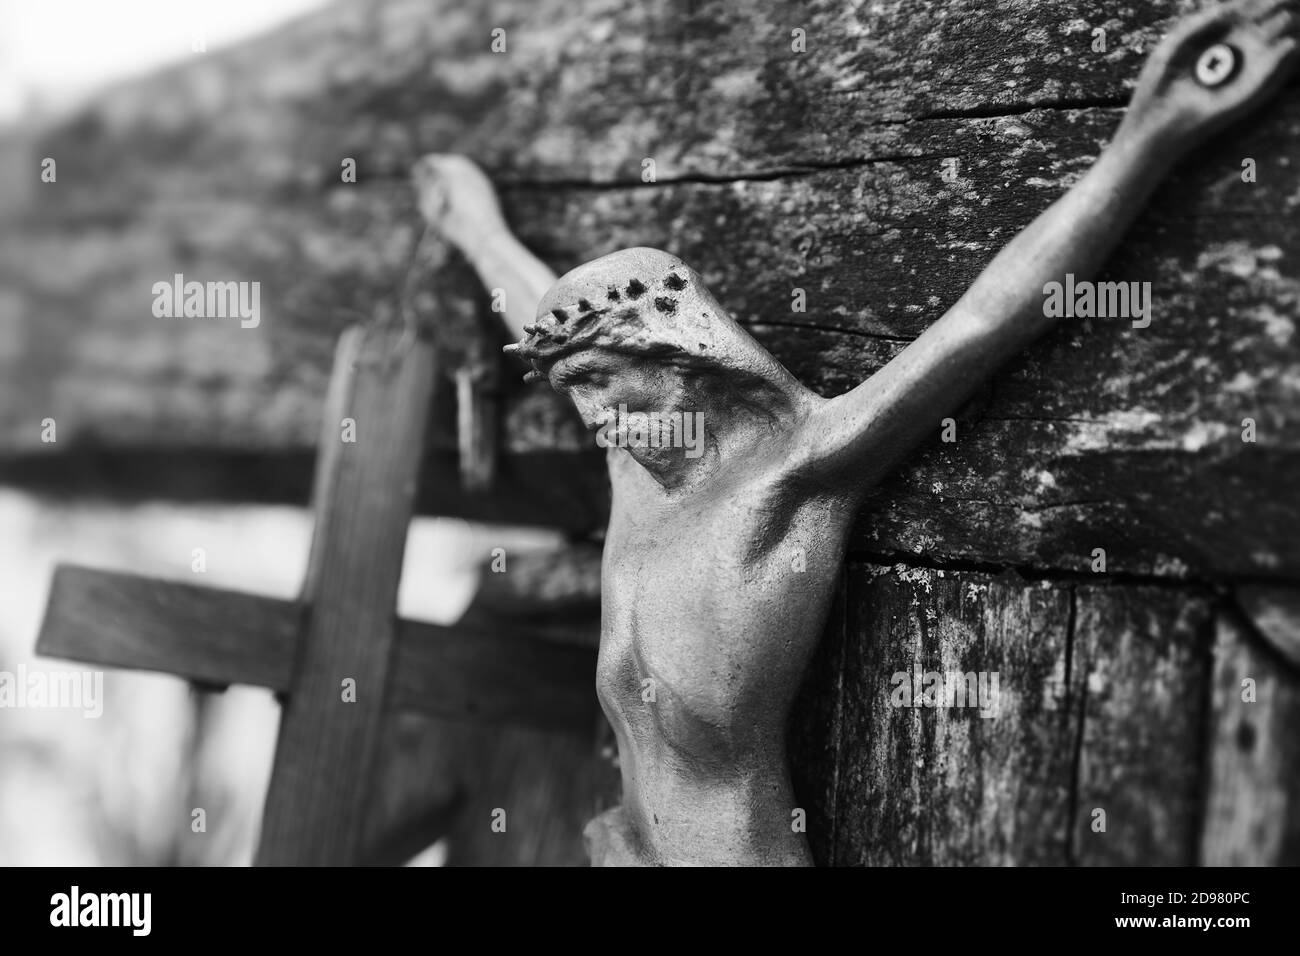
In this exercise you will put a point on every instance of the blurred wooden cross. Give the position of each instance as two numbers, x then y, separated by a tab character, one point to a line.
342	661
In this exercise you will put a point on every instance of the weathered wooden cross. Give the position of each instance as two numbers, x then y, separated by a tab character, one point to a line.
342	628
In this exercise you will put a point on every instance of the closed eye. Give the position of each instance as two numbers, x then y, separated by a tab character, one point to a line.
589	372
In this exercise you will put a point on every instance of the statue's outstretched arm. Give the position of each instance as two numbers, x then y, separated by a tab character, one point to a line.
1213	68
459	202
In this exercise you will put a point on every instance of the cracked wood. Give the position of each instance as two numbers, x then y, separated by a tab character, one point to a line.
819	171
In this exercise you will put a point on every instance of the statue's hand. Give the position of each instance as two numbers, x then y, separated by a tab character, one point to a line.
1213	68
456	198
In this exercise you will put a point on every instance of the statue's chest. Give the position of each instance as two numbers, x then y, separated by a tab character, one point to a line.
693	596
694	568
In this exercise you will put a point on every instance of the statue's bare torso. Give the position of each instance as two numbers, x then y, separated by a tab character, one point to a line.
715	622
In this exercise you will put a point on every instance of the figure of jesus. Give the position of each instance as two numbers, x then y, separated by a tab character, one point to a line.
719	566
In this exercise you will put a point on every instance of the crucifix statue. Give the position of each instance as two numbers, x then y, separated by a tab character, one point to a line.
721	557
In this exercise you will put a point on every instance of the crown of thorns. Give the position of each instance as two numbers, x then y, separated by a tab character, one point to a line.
617	324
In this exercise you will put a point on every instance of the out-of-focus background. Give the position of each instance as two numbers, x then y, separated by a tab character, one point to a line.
120	788
53	55
80	791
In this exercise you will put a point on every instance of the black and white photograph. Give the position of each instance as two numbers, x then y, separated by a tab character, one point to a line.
723	433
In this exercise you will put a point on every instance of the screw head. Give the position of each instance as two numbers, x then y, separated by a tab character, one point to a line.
1216	65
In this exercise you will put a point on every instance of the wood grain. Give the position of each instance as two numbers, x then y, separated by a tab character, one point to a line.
814	734
775	171
1102	705
208	635
1274	613
317	801
493	670
1143	659
1252	804
927	785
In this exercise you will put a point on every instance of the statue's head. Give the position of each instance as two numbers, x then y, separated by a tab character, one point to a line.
639	328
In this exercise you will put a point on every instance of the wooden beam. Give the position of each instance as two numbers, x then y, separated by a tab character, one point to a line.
1252	801
208	635
1141	656
509	671
488	678
331	726
981	785
497	678
555	489
1100	436
1275	613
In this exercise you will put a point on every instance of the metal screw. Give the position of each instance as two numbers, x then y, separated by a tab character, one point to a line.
1216	65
